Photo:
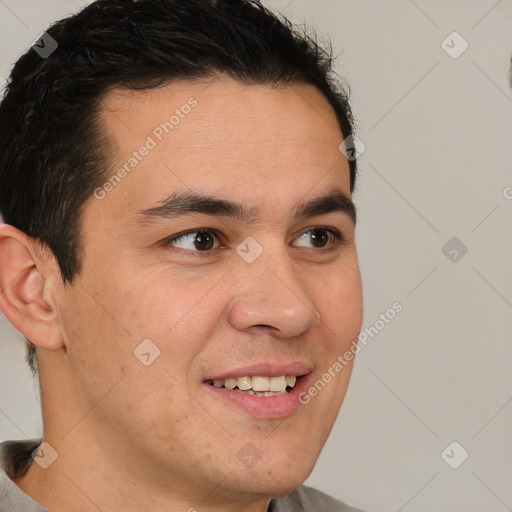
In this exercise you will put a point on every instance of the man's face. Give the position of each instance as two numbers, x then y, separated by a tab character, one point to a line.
215	304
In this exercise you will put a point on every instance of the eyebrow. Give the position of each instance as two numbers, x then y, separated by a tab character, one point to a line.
180	204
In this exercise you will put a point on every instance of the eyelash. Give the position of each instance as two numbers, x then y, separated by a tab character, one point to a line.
337	239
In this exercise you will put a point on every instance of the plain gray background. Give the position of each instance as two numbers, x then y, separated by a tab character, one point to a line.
437	129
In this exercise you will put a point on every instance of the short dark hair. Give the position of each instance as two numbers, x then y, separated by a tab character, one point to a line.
53	153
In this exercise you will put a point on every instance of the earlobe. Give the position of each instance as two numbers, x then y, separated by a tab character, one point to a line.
23	297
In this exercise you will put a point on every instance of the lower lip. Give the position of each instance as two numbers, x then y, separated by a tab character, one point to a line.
265	407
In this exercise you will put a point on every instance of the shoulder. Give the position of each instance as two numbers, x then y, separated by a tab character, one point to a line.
15	459
16	456
315	499
307	499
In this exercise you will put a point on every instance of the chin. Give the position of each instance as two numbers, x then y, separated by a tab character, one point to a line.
272	480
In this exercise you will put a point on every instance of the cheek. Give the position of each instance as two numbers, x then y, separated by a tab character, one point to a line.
177	314
92	330
341	306
339	301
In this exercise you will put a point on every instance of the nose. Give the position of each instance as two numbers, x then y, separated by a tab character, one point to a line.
268	294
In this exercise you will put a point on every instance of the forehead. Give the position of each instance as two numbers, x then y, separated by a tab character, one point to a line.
248	114
220	96
220	134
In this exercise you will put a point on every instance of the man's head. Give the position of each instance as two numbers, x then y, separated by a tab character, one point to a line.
51	106
180	215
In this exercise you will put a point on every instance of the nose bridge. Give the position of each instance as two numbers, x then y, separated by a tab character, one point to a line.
269	292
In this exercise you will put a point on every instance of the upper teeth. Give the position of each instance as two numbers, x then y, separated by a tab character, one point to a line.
258	383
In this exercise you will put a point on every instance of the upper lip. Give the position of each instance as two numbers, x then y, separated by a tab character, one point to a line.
296	368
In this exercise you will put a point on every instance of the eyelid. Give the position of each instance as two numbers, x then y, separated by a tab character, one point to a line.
190	232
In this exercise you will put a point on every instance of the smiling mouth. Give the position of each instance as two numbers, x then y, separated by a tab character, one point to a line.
258	385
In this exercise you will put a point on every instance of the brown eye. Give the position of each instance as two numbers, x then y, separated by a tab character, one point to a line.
204	241
200	240
319	238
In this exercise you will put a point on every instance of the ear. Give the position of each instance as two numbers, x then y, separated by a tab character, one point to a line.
27	289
